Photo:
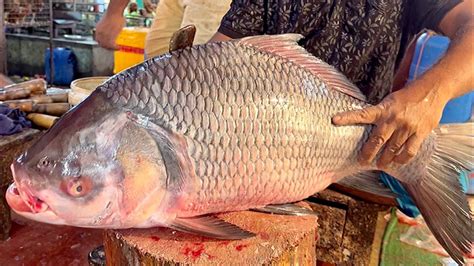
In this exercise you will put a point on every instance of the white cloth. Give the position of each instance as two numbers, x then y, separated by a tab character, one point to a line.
171	15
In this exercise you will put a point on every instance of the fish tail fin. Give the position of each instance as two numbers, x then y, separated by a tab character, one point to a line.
437	191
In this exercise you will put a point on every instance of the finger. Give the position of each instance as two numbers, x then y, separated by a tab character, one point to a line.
364	116
394	144
410	149
378	137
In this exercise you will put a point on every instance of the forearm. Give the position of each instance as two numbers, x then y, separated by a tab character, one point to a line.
116	7
453	75
219	37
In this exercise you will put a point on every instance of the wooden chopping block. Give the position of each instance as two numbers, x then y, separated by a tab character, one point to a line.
350	229
23	89
52	98
25	105
28	106
56	109
279	240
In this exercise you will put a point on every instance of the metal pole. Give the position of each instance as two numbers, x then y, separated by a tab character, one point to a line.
3	41
51	36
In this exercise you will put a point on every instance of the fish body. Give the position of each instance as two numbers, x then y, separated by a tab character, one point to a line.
214	128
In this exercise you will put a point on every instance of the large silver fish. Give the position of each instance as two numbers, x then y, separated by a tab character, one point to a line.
223	127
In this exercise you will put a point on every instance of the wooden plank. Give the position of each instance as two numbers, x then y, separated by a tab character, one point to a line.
331	222
279	240
350	229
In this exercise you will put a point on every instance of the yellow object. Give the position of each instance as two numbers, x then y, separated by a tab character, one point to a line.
131	43
81	88
42	120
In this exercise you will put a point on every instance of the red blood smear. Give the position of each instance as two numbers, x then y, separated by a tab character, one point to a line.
241	247
195	251
155	238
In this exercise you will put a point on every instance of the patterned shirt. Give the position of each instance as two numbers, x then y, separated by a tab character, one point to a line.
364	39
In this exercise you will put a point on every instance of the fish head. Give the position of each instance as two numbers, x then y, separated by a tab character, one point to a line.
83	172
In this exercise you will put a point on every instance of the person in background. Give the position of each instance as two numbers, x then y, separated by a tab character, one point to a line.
149	9
170	15
132	10
366	40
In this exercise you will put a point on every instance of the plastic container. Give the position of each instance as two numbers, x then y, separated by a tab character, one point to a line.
82	88
131	42
429	50
64	65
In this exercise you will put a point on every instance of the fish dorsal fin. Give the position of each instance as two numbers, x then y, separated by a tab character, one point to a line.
182	38
286	46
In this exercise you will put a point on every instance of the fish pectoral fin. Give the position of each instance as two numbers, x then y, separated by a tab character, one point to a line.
368	186
173	150
210	226
182	38
286	209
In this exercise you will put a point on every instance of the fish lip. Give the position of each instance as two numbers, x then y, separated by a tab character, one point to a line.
21	189
21	198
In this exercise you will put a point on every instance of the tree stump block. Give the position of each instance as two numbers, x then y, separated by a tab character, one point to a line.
279	240
11	147
350	229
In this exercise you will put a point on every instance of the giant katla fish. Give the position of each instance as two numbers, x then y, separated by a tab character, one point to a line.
221	127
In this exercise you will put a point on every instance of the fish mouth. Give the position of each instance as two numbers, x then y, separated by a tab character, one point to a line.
22	200
20	196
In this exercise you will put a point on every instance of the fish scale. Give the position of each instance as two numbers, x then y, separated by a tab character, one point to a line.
292	109
268	166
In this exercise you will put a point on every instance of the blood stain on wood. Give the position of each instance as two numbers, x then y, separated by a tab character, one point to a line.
195	251
240	247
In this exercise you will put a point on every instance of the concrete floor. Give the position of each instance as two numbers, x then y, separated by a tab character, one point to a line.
34	243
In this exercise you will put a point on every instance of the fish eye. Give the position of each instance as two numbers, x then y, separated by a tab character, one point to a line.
78	187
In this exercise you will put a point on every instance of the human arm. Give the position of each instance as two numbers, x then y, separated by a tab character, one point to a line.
111	23
405	118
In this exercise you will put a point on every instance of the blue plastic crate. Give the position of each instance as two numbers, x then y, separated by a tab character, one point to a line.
429	50
64	65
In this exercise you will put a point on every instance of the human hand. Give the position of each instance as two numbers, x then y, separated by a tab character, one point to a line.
107	30
402	122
